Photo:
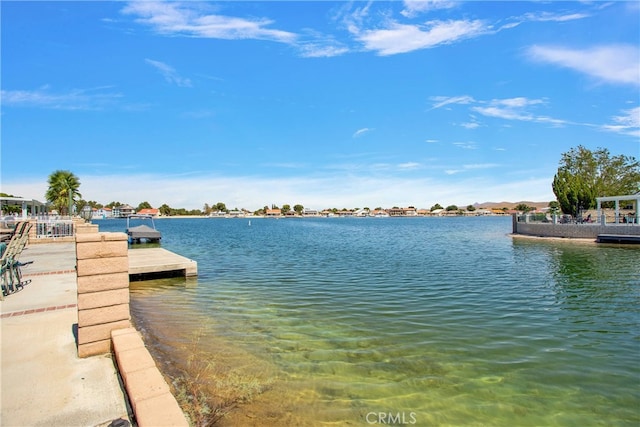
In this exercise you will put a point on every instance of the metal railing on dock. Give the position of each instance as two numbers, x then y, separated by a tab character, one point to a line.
54	228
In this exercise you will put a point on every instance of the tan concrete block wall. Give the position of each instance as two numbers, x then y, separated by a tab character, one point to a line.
103	289
103	249
99	265
99	299
85	228
103	282
96	316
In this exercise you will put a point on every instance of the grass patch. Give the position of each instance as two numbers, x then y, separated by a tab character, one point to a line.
207	391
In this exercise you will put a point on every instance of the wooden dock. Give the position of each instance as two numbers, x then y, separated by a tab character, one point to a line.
159	262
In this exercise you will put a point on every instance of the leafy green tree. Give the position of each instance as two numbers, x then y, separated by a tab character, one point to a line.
523	207
298	208
285	208
451	208
63	190
165	209
218	207
554	207
144	205
584	175
95	204
471	208
435	207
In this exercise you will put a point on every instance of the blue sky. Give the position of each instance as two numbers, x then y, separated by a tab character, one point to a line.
325	104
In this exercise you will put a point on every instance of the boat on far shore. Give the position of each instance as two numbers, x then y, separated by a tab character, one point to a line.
142	232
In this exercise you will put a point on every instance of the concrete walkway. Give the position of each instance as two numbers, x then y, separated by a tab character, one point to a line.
43	381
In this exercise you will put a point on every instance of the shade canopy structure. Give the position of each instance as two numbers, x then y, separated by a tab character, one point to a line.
633	198
27	205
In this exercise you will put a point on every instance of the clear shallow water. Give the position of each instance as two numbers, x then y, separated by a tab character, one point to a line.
447	321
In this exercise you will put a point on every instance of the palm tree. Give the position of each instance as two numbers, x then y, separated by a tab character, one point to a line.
63	190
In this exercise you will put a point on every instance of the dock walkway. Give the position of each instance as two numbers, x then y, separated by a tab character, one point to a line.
159	261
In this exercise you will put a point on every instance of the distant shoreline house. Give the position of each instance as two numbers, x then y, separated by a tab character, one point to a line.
123	211
103	213
273	212
149	211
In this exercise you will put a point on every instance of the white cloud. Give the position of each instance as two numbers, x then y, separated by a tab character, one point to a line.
466	145
607	63
516	109
76	99
470	125
169	73
190	19
415	7
441	101
409	166
627	123
321	50
554	17
402	38
361	132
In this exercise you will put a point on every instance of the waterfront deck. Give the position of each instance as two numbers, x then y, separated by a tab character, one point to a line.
159	262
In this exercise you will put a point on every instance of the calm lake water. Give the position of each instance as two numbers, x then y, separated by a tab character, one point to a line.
443	321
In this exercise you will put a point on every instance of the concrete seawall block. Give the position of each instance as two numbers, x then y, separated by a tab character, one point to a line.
144	384
100	332
160	411
149	394
103	299
96	316
134	360
126	339
95	266
103	282
94	348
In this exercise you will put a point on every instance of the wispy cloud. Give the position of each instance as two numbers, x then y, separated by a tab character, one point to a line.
321	50
416	7
361	132
525	110
509	108
402	38
608	63
409	166
196	20
442	101
627	123
554	17
169	73
75	99
469	145
517	108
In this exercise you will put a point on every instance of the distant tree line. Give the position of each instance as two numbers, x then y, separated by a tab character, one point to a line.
582	176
